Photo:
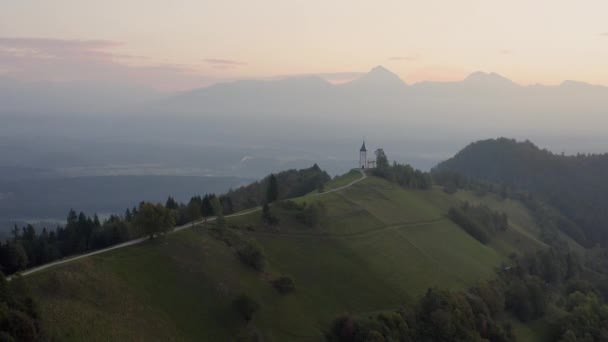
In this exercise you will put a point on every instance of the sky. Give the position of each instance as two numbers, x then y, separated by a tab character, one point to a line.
172	45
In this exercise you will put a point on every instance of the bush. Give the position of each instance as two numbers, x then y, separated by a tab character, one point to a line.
479	221
469	225
268	217
252	254
284	285
311	215
246	306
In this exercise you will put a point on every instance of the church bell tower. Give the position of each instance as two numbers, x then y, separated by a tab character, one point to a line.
363	157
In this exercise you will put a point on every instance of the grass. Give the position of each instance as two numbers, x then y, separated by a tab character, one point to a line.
380	245
343	180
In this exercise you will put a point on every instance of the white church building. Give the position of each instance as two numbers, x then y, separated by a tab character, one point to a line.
363	162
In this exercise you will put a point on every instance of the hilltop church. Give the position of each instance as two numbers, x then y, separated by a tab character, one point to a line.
363	162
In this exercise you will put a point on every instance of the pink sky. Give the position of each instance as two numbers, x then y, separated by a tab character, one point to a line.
185	44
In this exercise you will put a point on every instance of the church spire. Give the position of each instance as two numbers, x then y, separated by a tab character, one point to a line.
363	147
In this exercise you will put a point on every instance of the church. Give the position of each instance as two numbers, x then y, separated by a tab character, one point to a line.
363	162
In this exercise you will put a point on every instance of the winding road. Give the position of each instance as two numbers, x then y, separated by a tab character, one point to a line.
176	229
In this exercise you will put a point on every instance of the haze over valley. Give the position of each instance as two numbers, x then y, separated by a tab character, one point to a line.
273	171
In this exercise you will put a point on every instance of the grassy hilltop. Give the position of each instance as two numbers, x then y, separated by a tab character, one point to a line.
377	246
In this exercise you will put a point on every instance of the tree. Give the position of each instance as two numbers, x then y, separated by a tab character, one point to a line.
246	306
218	211
206	207
267	216
128	216
16	257
284	285
15	233
251	253
272	193
171	204
381	159
194	210
153	219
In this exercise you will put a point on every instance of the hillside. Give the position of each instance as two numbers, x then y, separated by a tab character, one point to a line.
575	185
377	246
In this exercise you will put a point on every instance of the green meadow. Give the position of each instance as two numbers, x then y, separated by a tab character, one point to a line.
378	246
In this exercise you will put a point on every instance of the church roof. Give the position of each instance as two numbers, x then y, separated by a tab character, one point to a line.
363	147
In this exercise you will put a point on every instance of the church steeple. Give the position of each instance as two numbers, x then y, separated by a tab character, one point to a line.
363	157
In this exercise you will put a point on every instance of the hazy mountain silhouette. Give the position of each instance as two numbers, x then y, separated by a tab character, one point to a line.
379	79
309	109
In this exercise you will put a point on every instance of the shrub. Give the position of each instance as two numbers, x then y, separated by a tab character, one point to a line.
252	254
284	285
311	215
246	306
479	221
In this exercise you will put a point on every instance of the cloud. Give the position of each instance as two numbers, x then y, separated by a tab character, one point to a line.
505	52
60	48
604	34
62	60
59	44
219	63
409	58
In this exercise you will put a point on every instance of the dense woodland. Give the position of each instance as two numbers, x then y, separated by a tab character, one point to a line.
404	175
572	285
479	221
527	289
575	185
293	183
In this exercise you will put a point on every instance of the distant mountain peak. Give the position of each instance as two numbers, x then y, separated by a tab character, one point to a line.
570	84
379	76
379	69
487	78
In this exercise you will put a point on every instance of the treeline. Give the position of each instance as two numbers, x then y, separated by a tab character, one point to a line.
576	285
480	222
549	220
451	181
292	183
440	315
575	185
404	175
82	233
526	289
199	207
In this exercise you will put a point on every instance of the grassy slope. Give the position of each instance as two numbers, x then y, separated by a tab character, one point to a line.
381	245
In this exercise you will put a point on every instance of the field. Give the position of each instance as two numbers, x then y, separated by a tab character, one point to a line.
379	246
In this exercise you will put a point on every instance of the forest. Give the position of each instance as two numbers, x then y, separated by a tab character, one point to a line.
573	184
27	247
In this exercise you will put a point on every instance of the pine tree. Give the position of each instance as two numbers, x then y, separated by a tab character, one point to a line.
272	193
171	204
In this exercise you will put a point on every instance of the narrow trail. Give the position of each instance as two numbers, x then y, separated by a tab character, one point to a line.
175	230
366	233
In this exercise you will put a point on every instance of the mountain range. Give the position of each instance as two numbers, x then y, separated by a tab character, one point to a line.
312	115
379	84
